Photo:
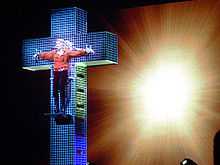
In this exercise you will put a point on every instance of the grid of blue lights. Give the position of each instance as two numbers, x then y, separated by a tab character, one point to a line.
68	143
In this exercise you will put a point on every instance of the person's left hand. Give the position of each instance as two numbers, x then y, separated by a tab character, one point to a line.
89	49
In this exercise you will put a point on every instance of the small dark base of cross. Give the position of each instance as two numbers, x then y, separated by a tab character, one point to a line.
61	118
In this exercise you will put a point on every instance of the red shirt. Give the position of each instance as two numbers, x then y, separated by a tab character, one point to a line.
61	62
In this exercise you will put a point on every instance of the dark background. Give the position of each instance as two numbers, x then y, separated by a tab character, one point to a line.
25	96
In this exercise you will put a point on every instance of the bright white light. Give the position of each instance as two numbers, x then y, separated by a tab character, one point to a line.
166	93
184	162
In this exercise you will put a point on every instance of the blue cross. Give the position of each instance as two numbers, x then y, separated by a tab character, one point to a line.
68	143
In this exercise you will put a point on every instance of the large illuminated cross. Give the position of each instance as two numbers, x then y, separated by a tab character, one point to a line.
68	141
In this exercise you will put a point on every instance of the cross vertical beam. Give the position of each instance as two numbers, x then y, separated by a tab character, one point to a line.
68	142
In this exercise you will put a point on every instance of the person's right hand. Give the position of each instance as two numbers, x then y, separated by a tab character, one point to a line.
36	55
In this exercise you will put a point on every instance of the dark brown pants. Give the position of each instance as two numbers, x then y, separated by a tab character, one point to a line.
60	86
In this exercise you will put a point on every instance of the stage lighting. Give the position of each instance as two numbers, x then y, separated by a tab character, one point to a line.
167	92
187	162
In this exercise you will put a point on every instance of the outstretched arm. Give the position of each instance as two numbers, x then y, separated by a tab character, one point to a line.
80	52
47	55
76	53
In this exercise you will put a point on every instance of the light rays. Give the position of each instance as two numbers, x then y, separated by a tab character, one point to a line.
182	34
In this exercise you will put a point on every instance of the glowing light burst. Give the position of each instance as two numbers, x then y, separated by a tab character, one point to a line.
166	93
166	86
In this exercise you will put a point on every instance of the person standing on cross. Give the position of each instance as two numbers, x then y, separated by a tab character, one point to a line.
61	55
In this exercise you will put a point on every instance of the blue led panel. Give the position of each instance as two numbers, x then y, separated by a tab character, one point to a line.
103	43
68	21
68	142
32	46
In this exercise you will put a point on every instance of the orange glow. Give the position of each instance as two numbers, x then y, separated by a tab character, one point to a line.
184	34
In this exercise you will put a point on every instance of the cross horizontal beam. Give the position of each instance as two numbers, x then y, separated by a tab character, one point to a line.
103	43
